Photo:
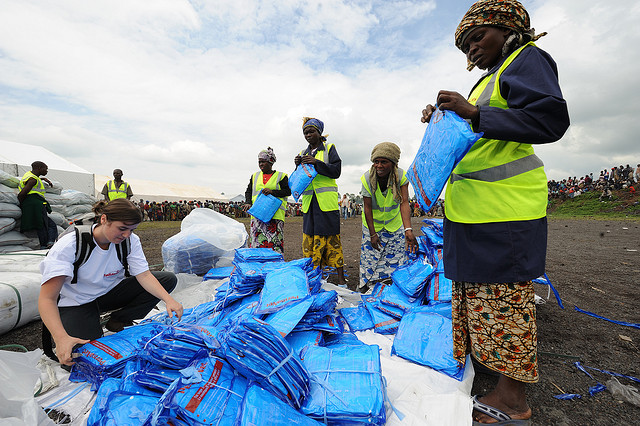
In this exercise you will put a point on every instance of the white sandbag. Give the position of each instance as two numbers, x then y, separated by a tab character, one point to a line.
13	238
8	179
55	189
215	228
8	195
82	217
27	262
7	224
19	293
59	219
72	209
74	197
10	210
15	248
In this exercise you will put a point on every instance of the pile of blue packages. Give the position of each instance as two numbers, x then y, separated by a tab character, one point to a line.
412	277
283	287
358	317
177	346
426	338
106	357
264	207
218	273
188	254
259	254
300	179
347	385
209	392
261	408
258	352
323	304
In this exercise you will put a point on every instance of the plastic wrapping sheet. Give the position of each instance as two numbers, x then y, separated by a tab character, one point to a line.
283	287
411	278
358	317
265	207
257	351
300	179
426	338
260	408
446	140
209	392
347	384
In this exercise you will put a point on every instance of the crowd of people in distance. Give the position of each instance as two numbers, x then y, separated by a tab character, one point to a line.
622	177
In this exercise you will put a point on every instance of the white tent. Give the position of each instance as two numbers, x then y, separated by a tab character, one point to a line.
16	159
162	191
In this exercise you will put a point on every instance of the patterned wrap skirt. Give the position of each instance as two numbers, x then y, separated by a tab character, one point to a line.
496	324
267	234
375	264
325	250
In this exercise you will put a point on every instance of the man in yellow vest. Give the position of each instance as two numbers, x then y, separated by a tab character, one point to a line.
320	208
117	188
35	207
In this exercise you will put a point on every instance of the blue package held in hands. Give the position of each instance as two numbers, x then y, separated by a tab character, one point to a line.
300	179
265	207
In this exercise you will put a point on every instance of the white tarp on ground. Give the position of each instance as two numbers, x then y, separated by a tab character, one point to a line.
16	159
162	191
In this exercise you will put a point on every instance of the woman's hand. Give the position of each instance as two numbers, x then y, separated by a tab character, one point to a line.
174	307
427	112
454	101
375	242
266	191
297	160
64	347
411	241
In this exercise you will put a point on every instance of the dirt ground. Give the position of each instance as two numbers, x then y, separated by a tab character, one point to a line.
593	264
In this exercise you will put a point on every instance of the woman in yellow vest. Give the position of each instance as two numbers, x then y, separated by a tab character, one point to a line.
320	206
386	222
268	181
495	228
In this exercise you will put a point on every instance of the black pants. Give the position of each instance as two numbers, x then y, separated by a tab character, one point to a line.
49	231
129	300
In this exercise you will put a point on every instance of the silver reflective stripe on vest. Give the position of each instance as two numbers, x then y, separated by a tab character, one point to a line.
384	222
503	171
255	182
325	189
485	97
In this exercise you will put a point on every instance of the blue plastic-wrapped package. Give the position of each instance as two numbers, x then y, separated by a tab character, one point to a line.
260	408
301	339
285	319
330	324
209	392
412	277
446	140
218	273
394	297
324	303
184	253
426	338
344	339
440	308
283	287
300	179
114	406
383	323
347	386
358	317
265	206
258	254
439	288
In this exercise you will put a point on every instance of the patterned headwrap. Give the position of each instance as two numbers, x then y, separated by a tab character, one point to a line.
315	123
508	14
390	151
267	155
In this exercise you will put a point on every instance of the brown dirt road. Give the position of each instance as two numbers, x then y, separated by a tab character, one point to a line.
594	265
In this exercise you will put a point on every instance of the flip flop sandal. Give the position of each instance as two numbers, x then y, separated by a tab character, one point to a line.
503	419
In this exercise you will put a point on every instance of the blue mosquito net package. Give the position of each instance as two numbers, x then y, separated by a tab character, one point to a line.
300	179
393	297
283	287
347	385
358	317
383	323
324	303
446	140
426	338
412	277
264	207
209	392
329	324
258	254
439	288
106	357
301	339
184	253
285	319
218	273
114	406
440	308
260	408
258	352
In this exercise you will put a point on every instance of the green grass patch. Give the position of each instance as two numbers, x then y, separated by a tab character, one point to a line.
621	206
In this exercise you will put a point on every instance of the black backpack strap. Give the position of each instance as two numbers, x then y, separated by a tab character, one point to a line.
84	247
122	250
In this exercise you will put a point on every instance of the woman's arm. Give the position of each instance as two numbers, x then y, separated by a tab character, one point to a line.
405	213
284	190
332	166
48	308
368	216
153	287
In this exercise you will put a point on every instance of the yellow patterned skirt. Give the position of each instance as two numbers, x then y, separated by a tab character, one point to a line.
325	250
496	324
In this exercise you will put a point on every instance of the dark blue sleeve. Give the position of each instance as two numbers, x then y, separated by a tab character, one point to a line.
537	111
333	167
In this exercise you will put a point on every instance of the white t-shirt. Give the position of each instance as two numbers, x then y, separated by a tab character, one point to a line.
102	271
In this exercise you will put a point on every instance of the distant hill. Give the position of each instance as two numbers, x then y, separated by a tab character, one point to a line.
623	204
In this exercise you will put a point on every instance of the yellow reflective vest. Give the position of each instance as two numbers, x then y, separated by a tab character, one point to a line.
38	188
386	210
325	188
497	181
117	192
272	183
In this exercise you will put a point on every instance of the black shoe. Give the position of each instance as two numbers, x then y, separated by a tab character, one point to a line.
116	326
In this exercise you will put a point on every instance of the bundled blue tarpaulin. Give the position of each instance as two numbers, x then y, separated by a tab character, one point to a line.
347	385
323	304
177	346
301	339
218	273
330	324
258	254
209	392
427	338
412	277
446	140
265	207
394	297
300	179
285	319
115	406
258	352
261	408
358	317
383	323
283	287
439	288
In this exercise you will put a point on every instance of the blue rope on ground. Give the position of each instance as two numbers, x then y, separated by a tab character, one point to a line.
627	324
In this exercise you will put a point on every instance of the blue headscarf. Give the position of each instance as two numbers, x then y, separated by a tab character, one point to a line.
315	123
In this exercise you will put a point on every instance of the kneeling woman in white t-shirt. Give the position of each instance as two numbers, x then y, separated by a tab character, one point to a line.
71	311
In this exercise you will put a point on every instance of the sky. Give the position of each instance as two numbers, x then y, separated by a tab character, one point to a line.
190	91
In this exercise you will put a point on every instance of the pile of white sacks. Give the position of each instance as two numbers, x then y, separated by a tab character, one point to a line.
67	205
